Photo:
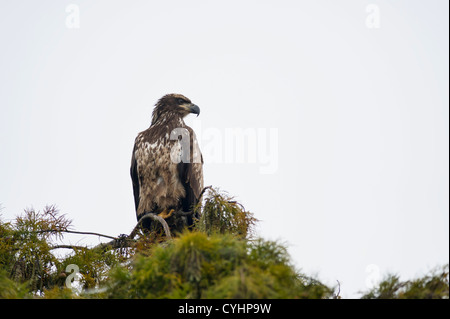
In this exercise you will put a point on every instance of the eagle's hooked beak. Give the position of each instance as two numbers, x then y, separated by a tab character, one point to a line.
194	109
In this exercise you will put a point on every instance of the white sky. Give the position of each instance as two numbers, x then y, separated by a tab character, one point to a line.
361	116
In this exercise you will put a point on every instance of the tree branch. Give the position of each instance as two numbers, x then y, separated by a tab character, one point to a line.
155	218
203	190
74	232
68	247
116	242
123	240
126	241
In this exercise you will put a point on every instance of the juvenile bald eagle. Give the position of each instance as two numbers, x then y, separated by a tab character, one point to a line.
166	164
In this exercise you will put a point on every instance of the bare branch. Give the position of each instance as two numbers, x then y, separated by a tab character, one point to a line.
155	218
116	242
336	296
74	232
88	233
68	247
203	190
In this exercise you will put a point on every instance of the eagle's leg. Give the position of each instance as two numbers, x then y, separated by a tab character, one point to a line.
164	214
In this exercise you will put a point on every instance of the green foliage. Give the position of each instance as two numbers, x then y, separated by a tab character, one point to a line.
219	258
10	289
27	258
221	214
196	265
25	247
431	286
94	265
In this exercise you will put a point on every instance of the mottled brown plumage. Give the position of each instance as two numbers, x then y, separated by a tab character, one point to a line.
166	165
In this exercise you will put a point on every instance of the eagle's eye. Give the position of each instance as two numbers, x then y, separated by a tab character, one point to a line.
181	101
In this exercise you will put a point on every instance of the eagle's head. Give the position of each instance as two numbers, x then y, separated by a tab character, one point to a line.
174	104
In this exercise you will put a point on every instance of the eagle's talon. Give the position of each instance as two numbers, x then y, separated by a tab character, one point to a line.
166	215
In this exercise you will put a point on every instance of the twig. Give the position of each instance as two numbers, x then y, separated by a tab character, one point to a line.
90	233
203	190
68	247
237	203
336	296
74	232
